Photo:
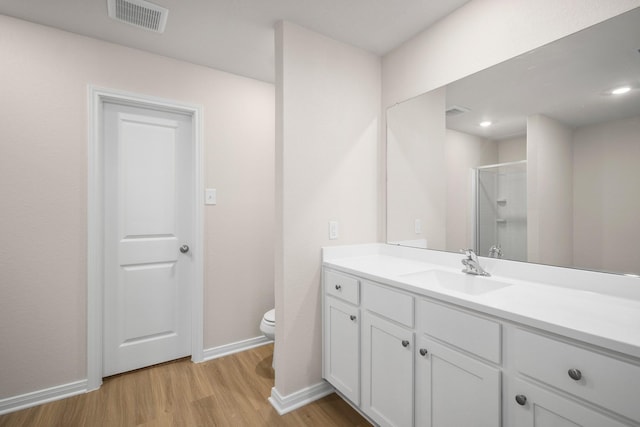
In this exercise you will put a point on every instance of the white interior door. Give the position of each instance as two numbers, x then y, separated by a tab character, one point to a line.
149	191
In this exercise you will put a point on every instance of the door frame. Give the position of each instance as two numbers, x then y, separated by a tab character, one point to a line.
95	221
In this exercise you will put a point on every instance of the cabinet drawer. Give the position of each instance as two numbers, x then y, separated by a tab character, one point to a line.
474	334
342	286
391	304
604	380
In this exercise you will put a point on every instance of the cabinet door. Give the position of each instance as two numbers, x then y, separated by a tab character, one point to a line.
453	389
387	374
342	348
537	407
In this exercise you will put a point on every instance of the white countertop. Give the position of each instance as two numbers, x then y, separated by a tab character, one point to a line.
604	320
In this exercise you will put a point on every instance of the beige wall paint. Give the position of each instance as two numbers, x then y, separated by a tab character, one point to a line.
512	149
326	150
415	148
44	75
549	191
606	179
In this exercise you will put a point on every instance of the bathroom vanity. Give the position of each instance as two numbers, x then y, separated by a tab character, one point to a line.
410	340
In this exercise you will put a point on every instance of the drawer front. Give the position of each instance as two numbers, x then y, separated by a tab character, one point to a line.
603	380
386	302
341	286
474	334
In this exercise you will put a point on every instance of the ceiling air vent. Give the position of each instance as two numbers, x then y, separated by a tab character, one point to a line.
139	13
456	110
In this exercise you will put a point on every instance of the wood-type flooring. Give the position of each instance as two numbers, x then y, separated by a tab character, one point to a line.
228	391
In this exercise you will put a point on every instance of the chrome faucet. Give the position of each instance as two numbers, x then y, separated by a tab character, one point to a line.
471	263
495	251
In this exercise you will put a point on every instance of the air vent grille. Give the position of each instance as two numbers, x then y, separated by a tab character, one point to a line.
456	110
139	13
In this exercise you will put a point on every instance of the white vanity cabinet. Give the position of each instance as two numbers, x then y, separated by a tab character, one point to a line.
457	380
406	357
341	338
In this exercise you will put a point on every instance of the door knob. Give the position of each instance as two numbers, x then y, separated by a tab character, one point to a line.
184	249
405	343
423	352
521	399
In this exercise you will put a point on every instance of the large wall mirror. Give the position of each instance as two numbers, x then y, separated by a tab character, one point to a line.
536	159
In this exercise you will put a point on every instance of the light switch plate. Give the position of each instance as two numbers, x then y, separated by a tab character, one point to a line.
210	196
333	230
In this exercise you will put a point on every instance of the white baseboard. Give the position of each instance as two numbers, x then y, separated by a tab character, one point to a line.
39	397
293	401
236	347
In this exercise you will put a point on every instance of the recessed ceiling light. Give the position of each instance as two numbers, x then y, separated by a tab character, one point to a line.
621	90
486	124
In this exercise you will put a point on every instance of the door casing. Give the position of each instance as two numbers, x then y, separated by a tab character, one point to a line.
95	222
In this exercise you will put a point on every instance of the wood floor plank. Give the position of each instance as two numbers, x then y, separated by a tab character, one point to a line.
230	391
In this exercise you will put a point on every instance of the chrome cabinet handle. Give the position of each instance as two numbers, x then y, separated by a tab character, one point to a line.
352	317
521	399
575	374
338	287
184	249
423	352
405	343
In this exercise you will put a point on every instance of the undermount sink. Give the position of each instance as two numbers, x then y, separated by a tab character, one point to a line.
459	282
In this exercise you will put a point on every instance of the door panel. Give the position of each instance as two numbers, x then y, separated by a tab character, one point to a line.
148	210
388	372
454	389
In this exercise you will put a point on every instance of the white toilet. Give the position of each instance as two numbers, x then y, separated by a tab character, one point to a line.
268	328
268	324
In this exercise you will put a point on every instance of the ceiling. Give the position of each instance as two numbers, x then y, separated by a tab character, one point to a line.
238	35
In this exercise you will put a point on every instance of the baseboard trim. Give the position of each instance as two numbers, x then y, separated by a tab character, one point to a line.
293	401
39	397
236	347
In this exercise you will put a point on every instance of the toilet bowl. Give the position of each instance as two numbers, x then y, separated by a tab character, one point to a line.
268	324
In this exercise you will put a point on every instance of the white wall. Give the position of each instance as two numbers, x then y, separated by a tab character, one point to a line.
44	75
549	191
416	188
328	112
606	178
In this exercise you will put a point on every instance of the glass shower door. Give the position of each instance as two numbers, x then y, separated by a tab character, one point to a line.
501	210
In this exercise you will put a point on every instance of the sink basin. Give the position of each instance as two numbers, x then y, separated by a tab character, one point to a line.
458	282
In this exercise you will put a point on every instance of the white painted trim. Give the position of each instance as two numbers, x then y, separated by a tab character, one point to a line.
293	401
236	347
96	97
35	398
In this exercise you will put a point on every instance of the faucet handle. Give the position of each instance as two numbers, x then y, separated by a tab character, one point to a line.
468	252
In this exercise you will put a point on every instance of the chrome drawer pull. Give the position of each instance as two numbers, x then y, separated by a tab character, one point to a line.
575	374
521	399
